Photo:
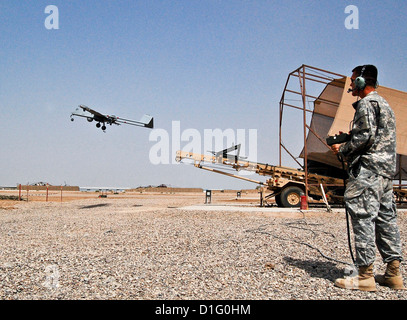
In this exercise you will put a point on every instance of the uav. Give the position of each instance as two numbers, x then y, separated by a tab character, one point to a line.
146	121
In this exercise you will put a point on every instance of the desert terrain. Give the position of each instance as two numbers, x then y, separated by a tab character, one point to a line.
173	246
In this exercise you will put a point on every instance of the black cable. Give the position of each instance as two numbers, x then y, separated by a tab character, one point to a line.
347	213
261	230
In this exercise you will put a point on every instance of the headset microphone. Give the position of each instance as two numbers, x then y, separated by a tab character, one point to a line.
351	90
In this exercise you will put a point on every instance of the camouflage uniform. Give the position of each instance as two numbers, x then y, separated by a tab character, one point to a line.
371	156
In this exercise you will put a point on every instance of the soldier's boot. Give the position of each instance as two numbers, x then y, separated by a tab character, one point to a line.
392	277
364	281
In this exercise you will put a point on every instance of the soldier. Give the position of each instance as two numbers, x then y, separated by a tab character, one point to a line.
371	158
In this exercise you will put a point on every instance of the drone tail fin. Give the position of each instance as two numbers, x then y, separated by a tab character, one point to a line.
148	121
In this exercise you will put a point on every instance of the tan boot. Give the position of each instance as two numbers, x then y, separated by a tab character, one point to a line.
363	281
392	277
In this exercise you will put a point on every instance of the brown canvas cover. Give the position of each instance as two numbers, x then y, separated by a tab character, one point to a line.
333	112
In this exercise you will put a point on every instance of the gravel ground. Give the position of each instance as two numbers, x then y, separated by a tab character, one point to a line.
155	248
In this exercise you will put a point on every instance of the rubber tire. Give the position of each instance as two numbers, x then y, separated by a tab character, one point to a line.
278	200
290	197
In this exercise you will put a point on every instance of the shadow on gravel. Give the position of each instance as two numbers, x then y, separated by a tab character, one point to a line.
95	206
317	269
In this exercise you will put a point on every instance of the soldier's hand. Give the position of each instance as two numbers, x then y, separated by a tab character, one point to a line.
335	148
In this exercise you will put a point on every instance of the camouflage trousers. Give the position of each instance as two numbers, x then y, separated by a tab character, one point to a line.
370	202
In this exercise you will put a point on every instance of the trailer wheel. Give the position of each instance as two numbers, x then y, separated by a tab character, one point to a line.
278	200
291	197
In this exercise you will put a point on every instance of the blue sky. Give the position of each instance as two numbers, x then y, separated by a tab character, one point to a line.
207	64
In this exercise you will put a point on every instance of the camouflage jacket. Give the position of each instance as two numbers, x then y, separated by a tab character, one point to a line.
373	142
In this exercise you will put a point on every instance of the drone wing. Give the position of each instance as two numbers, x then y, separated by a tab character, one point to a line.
85	108
96	115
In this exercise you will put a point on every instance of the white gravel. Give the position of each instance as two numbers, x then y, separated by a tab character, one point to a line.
160	248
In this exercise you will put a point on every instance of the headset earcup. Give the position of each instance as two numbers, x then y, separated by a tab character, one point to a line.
360	83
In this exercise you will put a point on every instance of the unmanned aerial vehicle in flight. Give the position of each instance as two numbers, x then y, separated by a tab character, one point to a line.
102	120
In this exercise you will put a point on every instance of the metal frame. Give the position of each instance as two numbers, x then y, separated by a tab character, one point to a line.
303	74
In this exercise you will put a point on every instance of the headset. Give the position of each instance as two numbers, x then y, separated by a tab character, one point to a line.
360	82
